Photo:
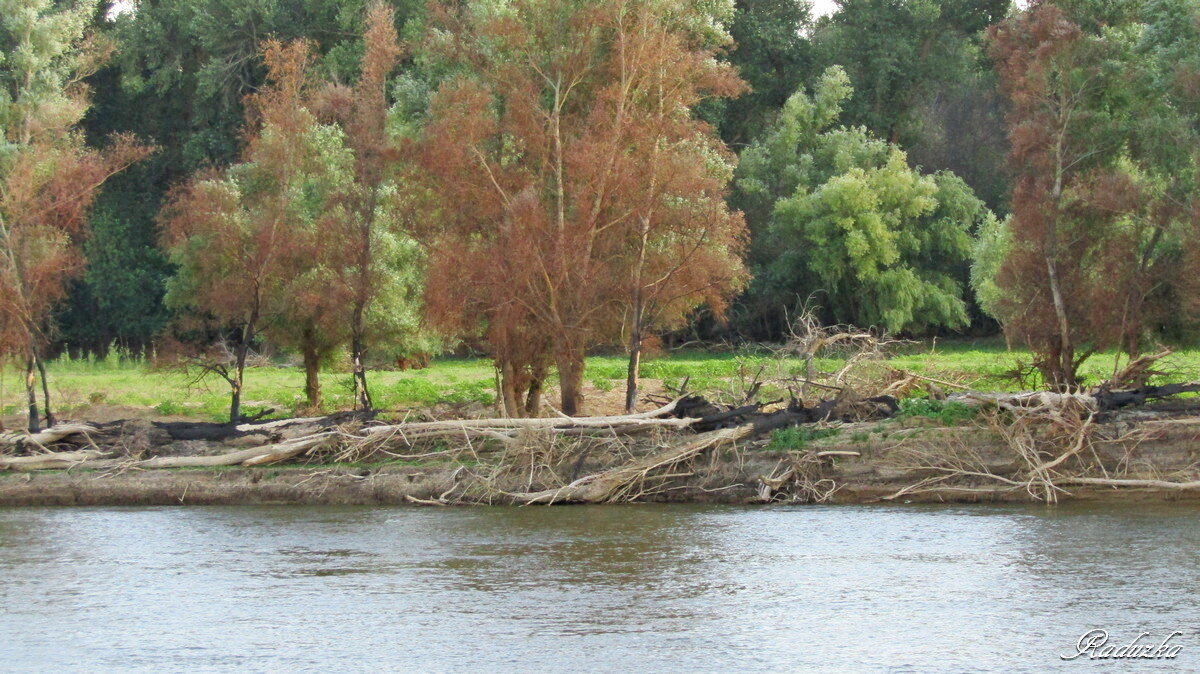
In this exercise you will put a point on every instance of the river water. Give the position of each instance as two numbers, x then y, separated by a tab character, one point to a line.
654	588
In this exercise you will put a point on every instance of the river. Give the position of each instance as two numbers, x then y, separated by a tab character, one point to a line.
654	588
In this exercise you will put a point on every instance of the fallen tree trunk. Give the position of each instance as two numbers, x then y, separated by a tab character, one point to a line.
1100	400
45	437
247	457
56	460
1120	482
254	456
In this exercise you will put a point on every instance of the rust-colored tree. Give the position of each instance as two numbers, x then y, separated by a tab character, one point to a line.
374	275
553	157
248	241
48	175
1058	278
685	245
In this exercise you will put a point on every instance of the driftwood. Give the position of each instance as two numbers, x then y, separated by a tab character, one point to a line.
706	416
607	486
45	437
54	460
1099	400
696	425
254	456
1117	482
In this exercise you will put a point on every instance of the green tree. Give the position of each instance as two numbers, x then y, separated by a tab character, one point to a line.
922	80
897	52
773	55
842	219
249	242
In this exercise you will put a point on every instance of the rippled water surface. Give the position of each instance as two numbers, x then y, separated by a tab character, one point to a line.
602	588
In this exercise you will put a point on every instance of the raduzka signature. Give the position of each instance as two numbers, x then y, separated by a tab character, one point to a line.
1095	646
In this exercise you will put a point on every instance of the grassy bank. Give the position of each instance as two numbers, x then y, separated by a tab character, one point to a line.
79	384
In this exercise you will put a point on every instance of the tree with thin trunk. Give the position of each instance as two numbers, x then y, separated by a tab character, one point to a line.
49	177
378	271
1067	197
249	241
539	152
685	245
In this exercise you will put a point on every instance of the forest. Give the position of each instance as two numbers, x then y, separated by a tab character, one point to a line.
359	185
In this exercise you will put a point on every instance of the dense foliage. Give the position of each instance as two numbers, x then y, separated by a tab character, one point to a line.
849	227
536	178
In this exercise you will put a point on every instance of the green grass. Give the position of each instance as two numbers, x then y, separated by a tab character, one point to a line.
980	364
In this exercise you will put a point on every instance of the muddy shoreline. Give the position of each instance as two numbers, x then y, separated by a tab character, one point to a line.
299	486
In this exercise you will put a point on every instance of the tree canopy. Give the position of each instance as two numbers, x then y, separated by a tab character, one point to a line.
846	223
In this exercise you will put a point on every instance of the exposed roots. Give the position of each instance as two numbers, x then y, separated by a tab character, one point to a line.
1053	445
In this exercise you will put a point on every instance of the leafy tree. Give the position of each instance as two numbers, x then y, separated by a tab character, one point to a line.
922	81
839	212
1164	76
378	272
773	55
247	241
991	247
1068	254
539	151
180	79
898	52
48	176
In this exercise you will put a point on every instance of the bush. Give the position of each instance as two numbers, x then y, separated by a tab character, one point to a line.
945	413
797	437
169	408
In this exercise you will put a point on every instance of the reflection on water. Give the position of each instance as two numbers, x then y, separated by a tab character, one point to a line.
659	588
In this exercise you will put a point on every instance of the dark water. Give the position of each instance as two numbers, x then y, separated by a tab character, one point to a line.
910	589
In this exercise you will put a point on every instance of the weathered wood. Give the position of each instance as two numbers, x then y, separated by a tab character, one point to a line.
55	460
45	437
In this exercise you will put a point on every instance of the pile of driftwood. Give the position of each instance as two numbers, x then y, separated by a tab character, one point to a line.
671	437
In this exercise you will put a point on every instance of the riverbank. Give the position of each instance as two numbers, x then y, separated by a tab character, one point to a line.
1145	454
387	487
115	388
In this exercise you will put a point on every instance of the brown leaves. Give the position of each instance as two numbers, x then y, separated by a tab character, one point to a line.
45	196
572	175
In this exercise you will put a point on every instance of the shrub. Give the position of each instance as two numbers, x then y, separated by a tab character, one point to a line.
945	413
168	408
797	437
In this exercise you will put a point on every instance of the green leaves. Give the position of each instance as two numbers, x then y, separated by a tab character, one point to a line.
848	219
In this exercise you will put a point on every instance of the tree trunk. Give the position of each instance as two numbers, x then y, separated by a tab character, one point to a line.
509	395
533	397
635	356
31	395
1065	376
362	395
570	380
41	366
312	369
235	398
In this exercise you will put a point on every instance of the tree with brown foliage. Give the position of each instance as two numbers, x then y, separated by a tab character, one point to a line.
250	242
377	273
686	245
49	177
1066	263
553	157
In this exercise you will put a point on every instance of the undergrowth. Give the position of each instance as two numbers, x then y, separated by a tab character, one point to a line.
941	411
797	437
